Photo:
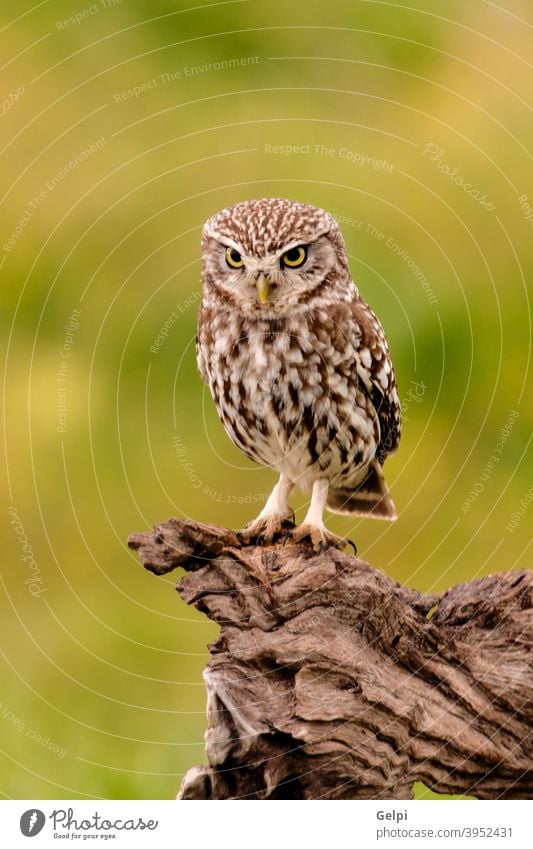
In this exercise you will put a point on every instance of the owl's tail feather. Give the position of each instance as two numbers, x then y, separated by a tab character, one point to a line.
369	498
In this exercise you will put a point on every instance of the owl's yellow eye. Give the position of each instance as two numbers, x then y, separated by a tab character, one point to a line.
233	258
295	257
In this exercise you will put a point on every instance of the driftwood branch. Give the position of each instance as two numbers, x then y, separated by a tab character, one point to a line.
331	680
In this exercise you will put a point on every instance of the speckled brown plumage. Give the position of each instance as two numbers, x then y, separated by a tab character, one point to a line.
301	377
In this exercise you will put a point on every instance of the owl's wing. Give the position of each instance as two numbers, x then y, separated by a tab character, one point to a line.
374	369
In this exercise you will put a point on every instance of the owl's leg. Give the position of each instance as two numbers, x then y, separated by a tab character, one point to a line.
275	512
313	526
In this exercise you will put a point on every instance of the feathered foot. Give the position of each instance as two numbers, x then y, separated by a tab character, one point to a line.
265	529
313	526
320	537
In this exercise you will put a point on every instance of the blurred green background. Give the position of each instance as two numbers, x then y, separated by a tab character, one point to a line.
124	125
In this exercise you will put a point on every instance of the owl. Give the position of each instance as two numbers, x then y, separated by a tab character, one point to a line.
297	364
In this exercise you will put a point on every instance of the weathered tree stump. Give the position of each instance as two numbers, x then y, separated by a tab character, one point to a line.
331	680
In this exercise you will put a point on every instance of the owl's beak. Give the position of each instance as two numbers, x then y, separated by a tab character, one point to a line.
262	284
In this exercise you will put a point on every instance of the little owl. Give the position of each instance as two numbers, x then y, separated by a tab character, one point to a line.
297	363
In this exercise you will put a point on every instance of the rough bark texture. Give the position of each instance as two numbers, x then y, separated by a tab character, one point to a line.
331	680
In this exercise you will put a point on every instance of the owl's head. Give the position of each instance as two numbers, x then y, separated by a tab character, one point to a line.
267	256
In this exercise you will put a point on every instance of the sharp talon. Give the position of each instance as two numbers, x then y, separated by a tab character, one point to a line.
350	542
320	546
245	539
